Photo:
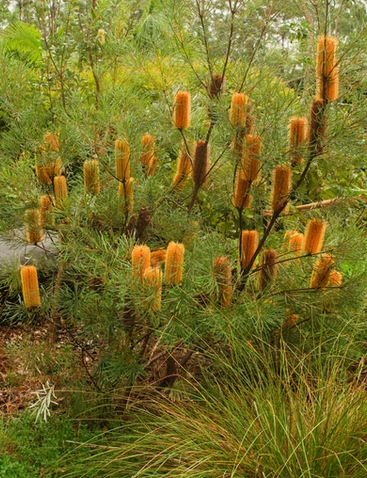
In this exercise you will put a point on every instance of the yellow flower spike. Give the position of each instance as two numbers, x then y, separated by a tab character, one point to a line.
327	71
91	176
314	236
241	193
182	110
237	114
60	190
249	243
174	263
183	170
294	241
251	164
122	160
223	276
281	187
30	288
297	135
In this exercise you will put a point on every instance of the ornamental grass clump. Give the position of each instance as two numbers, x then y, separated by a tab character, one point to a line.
30	288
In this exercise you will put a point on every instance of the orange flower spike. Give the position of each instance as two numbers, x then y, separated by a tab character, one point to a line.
223	277
51	141
148	145
269	268
327	71
183	170
335	279
60	190
251	164
237	114
174	263
249	243
281	187
157	257
30	287
297	136
241	193
314	236
140	259
321	272
201	163
295	241
153	276
182	110
33	221
91	176
45	206
122	160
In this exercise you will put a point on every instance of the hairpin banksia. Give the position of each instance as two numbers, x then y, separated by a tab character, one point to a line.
201	163
297	136
321	272
183	170
30	288
174	263
60	190
122	159
91	176
249	243
182	110
140	259
327	70
269	268
281	187
314	236
33	220
237	114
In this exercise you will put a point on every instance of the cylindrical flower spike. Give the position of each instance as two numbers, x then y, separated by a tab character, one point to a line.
281	187
269	268
223	277
241	194
251	164
91	177
60	190
183	170
148	144
122	160
46	204
237	115
335	279
174	263
294	241
33	221
126	195
153	276
30	288
140	259
182	110
201	163
321	272
327	71
51	141
317	129
157	257
314	236
297	136
101	36
249	243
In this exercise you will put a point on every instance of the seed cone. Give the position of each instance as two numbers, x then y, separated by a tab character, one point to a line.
297	136
30	288
241	193
335	278
327	71
91	176
321	272
269	268
174	263
183	170
281	187
122	160
126	195
237	115
182	110
33	221
153	276
157	257
140	259
201	163
317	128
294	241
314	236
251	164
223	276
60	190
249	243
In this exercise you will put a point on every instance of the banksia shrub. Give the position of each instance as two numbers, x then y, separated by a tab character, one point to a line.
122	159
201	163
33	222
182	110
183	170
30	288
223	277
153	276
314	236
269	268
297	136
174	263
281	187
317	126
60	190
251	164
249	243
91	176
294	241
327	71
140	259
241	193
321	272
157	257
237	114
126	195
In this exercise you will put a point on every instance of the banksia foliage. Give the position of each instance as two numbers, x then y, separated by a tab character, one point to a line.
249	243
60	190
183	170
157	257
281	187
294	241
153	276
297	136
140	259
241	193
327	71
251	164
147	157
269	268
122	159
33	221
174	263
314	236
321	272
30	288
182	110
91	176
237	114
201	163
335	279
317	126
126	195
223	276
